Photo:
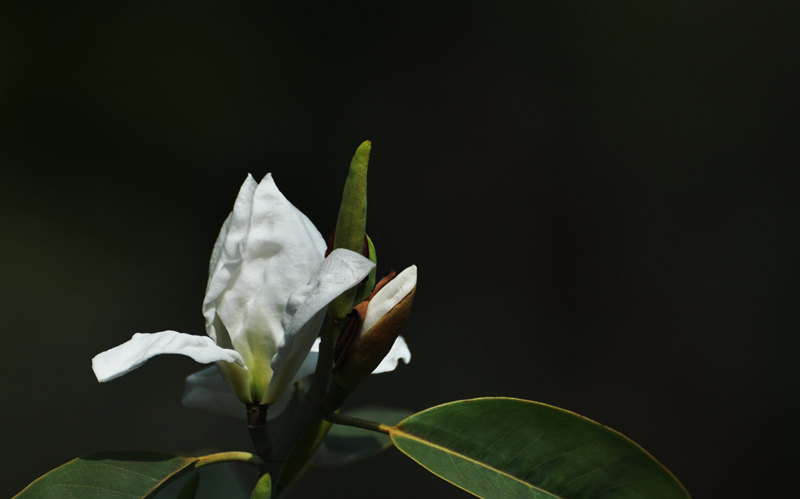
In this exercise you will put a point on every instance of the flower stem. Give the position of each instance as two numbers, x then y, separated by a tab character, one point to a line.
223	457
366	424
257	426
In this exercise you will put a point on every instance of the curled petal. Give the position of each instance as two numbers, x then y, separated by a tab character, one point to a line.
305	310
126	357
398	352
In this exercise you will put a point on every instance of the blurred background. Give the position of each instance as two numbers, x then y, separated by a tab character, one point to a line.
600	200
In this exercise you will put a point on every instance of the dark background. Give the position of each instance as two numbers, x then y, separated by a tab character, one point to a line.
600	200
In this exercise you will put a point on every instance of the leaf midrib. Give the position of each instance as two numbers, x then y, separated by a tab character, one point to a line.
395	431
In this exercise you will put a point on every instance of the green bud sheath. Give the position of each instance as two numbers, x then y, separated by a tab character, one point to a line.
352	222
365	288
351	225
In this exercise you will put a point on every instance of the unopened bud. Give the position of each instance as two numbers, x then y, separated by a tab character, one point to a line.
351	224
378	322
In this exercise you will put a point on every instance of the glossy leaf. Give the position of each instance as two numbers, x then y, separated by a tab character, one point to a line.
109	474
502	447
347	444
125	474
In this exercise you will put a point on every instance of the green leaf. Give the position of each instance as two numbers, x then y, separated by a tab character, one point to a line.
122	474
502	447
109	474
346	444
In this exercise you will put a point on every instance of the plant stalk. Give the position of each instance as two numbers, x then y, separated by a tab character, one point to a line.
365	424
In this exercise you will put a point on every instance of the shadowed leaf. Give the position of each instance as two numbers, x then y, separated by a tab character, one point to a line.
108	475
128	475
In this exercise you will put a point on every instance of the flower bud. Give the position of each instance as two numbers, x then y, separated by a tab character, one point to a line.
378	322
351	224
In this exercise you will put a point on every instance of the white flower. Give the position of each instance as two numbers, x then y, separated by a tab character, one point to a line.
268	288
207	390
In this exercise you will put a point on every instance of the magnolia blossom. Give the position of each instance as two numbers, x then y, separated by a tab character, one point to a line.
208	391
269	285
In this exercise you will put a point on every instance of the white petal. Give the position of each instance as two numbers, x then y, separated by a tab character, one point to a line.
398	352
281	251
305	311
124	358
228	253
389	296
